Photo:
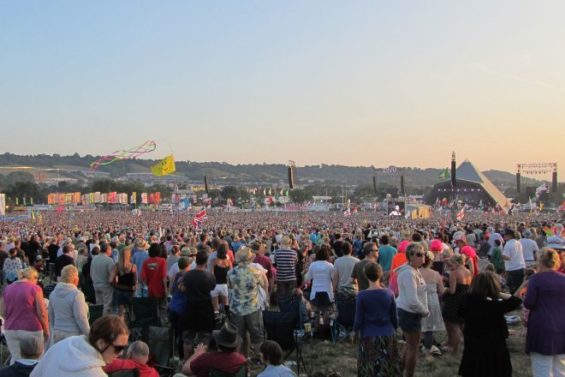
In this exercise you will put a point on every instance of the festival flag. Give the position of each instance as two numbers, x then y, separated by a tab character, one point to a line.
164	167
199	217
133	198
445	174
24	201
541	189
32	215
347	212
144	199
461	214
2	204
17	201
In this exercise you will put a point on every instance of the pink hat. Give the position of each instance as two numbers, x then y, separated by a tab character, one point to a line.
403	246
436	246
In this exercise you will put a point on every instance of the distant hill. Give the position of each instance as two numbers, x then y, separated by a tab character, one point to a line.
75	166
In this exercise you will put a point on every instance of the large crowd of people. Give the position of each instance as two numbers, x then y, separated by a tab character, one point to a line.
406	281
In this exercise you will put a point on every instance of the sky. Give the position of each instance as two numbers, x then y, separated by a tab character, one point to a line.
358	83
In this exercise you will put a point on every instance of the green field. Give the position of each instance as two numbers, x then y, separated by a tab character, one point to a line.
324	358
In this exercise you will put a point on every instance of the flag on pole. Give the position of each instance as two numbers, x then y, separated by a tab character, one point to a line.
164	167
445	174
541	189
347	212
461	214
199	217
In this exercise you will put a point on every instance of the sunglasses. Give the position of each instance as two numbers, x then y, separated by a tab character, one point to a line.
118	348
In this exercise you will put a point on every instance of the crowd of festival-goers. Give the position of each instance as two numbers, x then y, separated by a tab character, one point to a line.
405	282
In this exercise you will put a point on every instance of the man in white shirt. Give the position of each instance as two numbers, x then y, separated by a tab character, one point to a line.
529	247
514	263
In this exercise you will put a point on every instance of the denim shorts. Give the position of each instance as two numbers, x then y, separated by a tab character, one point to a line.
408	321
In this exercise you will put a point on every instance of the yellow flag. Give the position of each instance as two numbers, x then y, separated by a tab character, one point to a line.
164	167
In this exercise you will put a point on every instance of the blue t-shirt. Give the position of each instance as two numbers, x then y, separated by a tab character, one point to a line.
386	253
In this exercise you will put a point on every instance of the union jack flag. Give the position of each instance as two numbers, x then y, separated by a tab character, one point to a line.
199	217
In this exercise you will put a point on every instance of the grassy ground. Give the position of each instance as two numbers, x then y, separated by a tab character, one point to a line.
340	359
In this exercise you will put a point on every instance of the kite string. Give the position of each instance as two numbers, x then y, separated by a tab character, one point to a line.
148	146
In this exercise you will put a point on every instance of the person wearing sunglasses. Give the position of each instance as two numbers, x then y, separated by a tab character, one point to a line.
412	303
86	356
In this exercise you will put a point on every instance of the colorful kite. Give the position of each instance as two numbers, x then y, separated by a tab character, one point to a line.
148	146
164	167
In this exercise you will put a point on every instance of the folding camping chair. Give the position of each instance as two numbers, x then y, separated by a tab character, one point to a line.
146	325
345	316
242	372
286	327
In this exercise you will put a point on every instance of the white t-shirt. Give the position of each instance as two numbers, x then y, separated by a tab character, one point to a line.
321	272
513	249
528	248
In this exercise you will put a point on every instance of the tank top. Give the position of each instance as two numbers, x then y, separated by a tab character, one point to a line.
126	282
221	274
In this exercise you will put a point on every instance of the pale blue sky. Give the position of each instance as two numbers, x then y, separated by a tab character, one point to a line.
356	83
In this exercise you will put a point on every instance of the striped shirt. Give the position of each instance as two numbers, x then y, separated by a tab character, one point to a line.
286	259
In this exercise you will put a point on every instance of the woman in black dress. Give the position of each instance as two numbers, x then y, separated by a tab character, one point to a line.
482	309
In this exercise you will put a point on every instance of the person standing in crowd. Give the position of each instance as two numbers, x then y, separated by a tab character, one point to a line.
246	314
375	323
343	268
136	359
68	312
259	248
220	269
496	257
371	252
285	262
529	247
514	263
85	356
24	312
139	256
64	259
412	303
434	289
459	282
100	272
124	279
177	306
386	254
485	352
154	273
198	318
31	350
272	355
398	260
545	339
12	266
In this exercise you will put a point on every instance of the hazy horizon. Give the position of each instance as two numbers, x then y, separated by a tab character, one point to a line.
354	84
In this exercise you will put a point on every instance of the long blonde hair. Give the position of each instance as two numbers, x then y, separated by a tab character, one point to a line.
124	260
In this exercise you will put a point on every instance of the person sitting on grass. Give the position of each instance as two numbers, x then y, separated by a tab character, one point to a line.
272	355
136	359
226	359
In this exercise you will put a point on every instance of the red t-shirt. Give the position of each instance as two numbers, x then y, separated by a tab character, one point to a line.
153	273
228	362
128	364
